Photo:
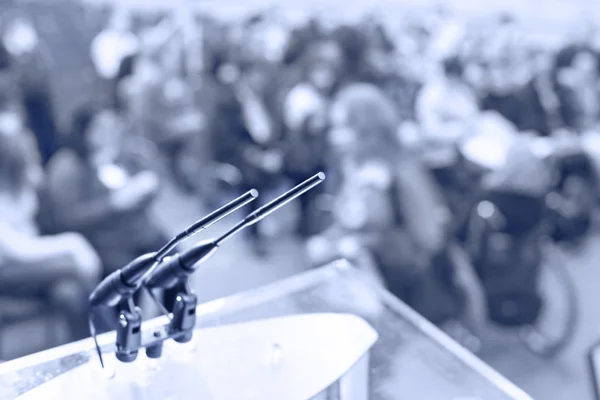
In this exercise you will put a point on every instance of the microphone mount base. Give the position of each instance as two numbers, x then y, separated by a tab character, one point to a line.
129	332
184	315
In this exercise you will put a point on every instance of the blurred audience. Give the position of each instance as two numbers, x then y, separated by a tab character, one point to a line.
110	190
59	270
414	127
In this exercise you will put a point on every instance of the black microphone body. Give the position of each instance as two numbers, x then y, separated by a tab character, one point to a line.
180	266
122	283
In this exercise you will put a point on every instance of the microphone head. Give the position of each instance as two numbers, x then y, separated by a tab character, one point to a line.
285	198
180	266
135	270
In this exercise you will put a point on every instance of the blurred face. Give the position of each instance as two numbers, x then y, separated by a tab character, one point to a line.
586	66
323	76
104	134
582	71
324	72
342	138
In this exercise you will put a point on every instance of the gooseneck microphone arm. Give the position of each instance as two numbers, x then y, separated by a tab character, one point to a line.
119	287
177	269
274	205
123	283
181	266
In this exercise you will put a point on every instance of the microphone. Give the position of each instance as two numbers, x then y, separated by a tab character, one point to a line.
180	266
124	282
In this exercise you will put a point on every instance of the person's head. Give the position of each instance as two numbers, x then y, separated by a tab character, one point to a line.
20	175
94	131
324	65
577	69
576	65
364	123
453	68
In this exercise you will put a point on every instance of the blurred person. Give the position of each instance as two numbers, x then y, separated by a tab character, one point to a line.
509	88
306	109
113	51
300	39
355	55
390	206
30	63
447	112
110	191
446	107
576	79
322	68
305	120
504	240
162	103
60	270
242	136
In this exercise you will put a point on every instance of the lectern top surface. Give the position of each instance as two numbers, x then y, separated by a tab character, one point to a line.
410	358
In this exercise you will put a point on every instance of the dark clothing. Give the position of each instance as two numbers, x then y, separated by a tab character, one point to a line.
36	95
231	141
40	117
126	70
522	213
523	108
506	254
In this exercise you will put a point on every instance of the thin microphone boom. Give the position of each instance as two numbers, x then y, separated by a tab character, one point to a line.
122	283
274	205
200	225
180	266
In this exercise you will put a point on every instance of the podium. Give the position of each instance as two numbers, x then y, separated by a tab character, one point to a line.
324	334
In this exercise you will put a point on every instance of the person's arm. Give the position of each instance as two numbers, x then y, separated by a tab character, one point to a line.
423	207
18	249
72	212
66	254
427	110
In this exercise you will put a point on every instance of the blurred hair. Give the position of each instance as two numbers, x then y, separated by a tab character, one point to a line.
80	124
352	41
566	57
323	51
453	67
14	162
372	116
300	41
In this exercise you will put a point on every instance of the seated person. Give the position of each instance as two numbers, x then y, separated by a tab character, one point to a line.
504	237
60	270
388	202
109	193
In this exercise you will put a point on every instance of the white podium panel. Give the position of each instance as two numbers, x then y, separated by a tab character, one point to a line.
324	334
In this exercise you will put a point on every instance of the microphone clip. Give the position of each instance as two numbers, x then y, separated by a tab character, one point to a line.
129	331
182	322
184	315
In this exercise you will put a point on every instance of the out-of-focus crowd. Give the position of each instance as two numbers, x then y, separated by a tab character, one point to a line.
443	135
